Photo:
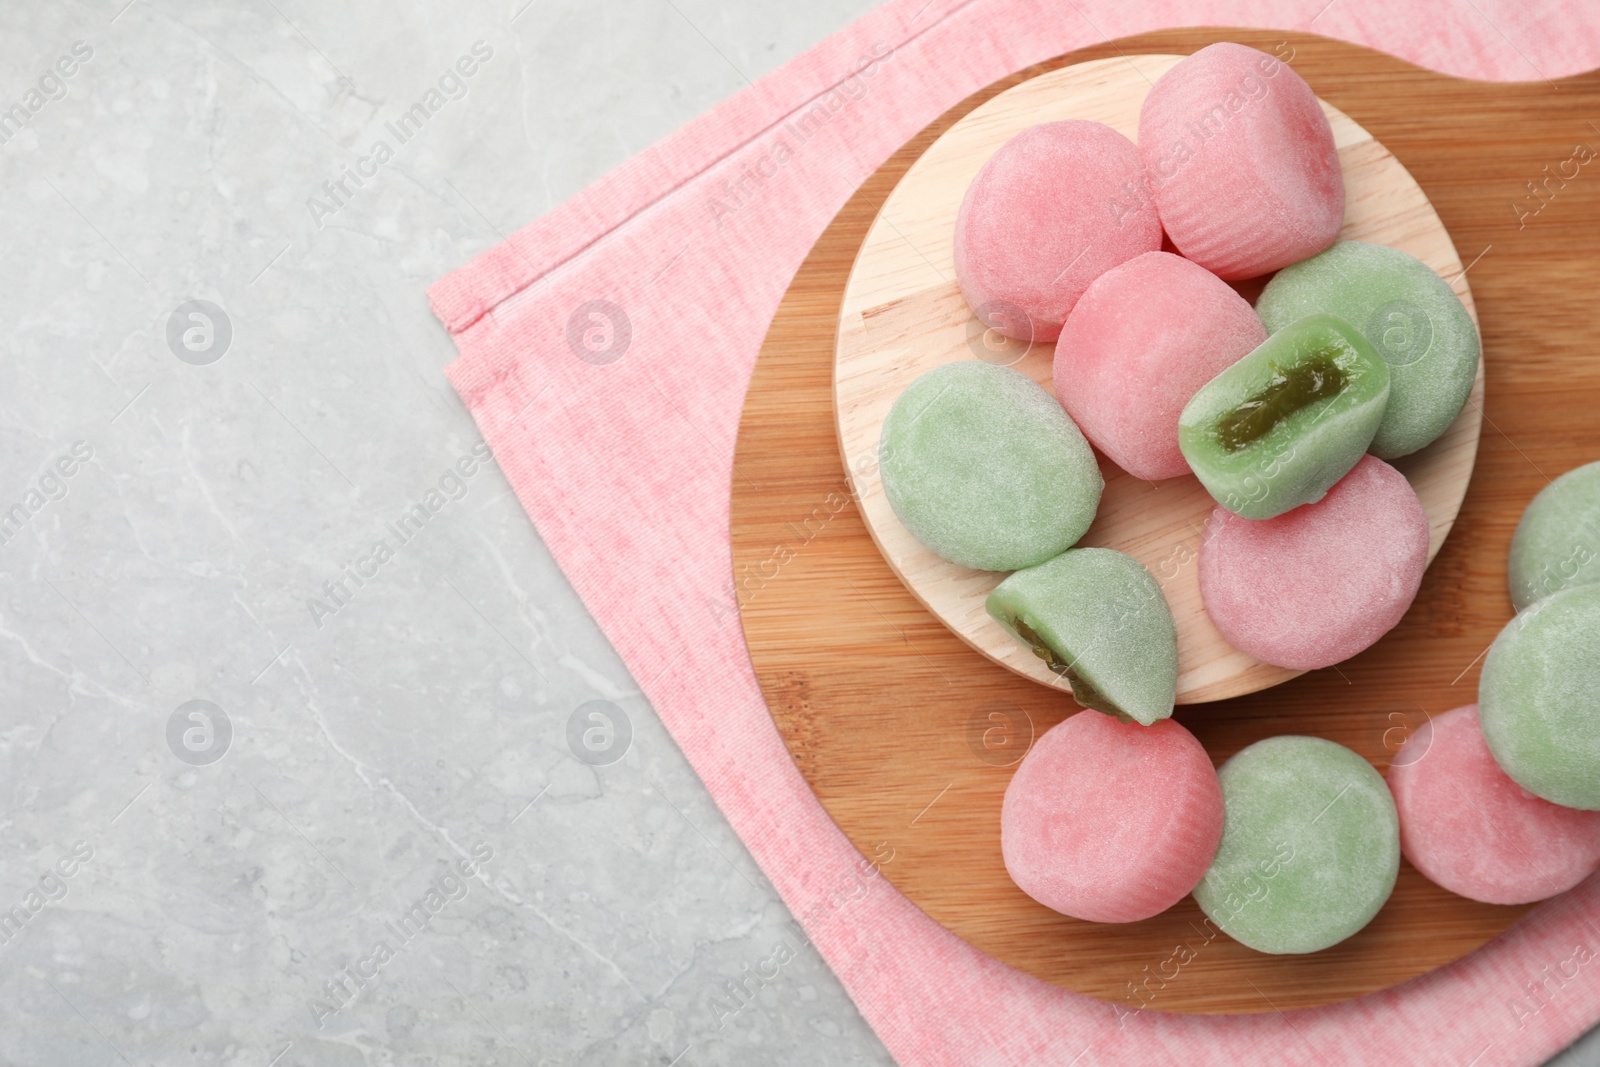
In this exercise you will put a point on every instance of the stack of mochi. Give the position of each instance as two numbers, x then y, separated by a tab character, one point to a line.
1500	800
1287	412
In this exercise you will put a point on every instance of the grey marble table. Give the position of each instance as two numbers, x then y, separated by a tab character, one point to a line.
270	795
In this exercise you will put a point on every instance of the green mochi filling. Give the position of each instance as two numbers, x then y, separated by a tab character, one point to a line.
1290	391
1083	691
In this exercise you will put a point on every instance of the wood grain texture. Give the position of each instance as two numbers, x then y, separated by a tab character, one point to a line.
908	735
902	314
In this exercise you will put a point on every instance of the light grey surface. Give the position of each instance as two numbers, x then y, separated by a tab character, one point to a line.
1586	1053
423	722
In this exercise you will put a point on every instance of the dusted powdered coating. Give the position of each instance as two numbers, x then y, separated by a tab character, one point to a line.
1539	698
1471	829
1056	207
1310	846
1098	618
1266	435
1410	317
1318	584
1557	543
986	469
1139	344
1241	161
1111	822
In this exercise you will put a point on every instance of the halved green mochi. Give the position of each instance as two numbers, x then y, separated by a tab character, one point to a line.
1407	313
1098	618
1281	426
986	469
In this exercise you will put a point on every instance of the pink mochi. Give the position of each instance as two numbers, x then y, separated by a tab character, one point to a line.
1111	822
1241	162
1057	206
1142	340
1469	828
1318	584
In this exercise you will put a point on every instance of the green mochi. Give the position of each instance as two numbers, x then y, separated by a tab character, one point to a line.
1410	317
1557	544
1098	618
1310	846
1539	698
986	469
1278	428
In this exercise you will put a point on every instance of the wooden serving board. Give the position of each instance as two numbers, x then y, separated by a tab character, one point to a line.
903	315
909	736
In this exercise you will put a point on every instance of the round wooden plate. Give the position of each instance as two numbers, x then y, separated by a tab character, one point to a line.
909	736
903	314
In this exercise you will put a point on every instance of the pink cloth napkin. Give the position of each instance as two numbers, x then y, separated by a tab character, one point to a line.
625	469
